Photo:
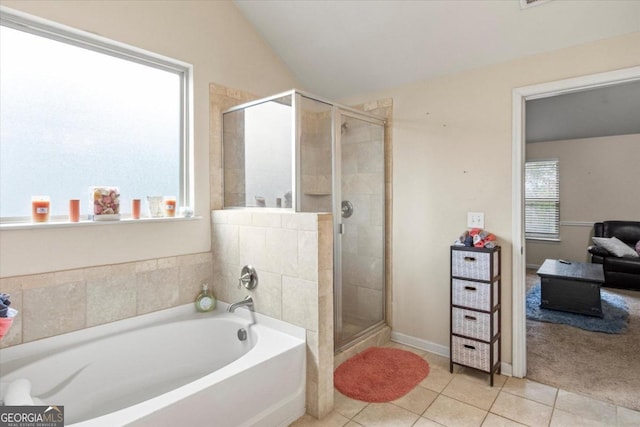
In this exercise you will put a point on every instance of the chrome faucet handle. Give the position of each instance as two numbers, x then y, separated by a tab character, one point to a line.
248	277
244	279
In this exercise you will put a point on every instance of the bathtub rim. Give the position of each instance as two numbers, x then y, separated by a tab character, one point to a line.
29	351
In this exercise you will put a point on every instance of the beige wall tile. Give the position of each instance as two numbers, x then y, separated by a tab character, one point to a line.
143	266
282	253
53	310
226	243
267	219
68	276
110	299
308	255
267	296
300	302
156	290
253	247
190	280
300	221
37	281
169	262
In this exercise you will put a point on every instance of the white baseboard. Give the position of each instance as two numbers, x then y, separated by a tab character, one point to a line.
533	266
441	350
429	346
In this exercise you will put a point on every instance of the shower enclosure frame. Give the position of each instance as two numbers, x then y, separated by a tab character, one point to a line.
337	111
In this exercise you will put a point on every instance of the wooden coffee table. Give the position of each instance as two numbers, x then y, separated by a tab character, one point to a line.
572	287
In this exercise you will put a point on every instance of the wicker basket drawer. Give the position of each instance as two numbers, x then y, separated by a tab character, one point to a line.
472	264
475	295
473	324
473	353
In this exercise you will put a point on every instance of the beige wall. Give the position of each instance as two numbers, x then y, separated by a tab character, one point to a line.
452	154
223	47
599	181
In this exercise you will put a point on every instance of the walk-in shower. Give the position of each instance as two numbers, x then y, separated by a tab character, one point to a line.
299	152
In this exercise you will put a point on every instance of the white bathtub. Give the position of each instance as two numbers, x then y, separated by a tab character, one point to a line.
169	368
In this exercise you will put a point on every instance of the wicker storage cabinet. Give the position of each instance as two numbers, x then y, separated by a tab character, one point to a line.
475	309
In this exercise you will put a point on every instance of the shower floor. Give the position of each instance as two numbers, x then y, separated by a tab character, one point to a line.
352	326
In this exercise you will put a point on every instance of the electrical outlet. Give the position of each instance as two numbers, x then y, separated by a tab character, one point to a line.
475	219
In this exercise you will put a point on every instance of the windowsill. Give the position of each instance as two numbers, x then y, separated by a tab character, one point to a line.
544	239
87	223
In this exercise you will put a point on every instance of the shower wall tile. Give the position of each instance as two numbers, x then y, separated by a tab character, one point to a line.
369	304
53	310
370	241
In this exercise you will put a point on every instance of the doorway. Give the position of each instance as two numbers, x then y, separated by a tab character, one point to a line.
519	97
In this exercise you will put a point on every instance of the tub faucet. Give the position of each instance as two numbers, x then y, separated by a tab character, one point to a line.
246	302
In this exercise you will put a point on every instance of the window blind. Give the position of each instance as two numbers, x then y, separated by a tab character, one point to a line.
542	199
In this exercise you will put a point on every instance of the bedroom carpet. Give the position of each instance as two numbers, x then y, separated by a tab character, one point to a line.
600	365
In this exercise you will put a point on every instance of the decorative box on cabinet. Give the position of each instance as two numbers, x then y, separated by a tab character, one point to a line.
475	309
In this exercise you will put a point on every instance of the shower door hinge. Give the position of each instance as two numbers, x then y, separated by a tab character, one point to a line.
341	229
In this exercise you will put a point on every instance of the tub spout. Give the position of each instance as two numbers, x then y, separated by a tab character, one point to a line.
246	302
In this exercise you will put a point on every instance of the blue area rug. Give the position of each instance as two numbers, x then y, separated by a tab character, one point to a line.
614	309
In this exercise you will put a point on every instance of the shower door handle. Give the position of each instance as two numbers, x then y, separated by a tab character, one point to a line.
346	208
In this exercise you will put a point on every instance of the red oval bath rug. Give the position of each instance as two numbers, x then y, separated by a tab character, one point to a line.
380	374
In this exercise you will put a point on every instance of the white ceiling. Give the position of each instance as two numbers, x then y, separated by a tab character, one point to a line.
338	49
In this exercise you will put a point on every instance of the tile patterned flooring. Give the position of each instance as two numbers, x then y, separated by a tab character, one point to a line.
465	398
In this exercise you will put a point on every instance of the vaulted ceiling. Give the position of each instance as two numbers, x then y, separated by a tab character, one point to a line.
337	49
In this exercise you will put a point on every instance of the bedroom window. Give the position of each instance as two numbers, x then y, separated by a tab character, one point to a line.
78	111
542	200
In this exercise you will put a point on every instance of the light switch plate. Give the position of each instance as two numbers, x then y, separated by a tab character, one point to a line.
475	219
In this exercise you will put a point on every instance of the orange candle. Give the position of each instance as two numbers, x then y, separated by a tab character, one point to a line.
74	210
135	209
169	206
40	208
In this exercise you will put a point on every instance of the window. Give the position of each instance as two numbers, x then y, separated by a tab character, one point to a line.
81	111
542	200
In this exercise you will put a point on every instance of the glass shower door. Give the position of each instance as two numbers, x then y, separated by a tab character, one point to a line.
359	204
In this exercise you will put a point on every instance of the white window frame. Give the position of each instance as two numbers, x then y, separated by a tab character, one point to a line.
553	235
58	32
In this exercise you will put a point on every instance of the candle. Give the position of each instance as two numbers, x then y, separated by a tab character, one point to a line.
40	208
74	210
135	209
169	206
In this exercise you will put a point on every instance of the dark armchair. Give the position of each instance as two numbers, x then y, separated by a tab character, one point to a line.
619	272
